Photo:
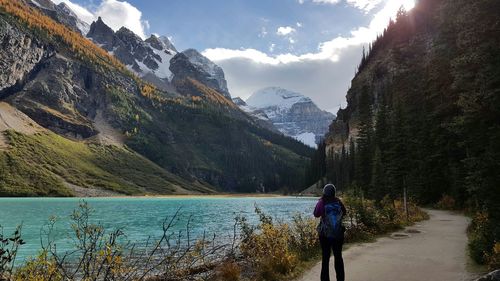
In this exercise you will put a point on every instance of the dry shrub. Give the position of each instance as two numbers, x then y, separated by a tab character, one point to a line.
270	251
304	237
228	271
41	268
446	203
268	247
480	241
357	233
494	258
366	218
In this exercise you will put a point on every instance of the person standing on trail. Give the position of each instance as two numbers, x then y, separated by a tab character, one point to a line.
331	231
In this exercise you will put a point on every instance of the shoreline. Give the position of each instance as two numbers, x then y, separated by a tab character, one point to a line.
172	196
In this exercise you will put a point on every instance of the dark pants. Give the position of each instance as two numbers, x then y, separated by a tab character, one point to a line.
327	246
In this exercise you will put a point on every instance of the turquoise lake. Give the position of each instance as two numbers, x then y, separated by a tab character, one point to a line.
140	218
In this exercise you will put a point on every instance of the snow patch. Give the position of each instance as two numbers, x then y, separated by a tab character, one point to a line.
83	27
163	70
36	3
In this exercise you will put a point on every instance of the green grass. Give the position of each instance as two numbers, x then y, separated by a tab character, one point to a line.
38	165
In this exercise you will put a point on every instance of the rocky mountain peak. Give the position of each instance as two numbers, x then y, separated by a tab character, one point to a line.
155	42
239	102
191	64
161	43
167	43
126	34
101	34
149	59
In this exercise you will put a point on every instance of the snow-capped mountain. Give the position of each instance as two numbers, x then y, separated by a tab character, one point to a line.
157	60
61	13
292	113
150	58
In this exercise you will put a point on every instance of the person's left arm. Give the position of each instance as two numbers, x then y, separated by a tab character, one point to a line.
320	208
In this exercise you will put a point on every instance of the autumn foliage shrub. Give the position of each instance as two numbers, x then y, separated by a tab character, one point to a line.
493	259
268	248
229	271
276	249
367	218
446	203
304	237
481	242
40	268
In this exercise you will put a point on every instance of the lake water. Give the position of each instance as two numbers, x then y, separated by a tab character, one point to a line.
140	218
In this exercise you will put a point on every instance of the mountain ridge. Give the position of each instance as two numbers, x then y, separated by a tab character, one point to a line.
199	139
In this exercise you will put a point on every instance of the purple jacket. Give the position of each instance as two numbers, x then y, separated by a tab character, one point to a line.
319	211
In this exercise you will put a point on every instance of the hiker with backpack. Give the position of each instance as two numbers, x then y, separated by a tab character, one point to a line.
331	231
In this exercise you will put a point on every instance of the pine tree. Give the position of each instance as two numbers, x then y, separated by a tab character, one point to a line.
363	143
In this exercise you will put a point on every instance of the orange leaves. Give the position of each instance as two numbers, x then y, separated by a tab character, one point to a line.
148	90
76	42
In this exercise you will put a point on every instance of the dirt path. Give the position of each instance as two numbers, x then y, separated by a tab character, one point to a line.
437	253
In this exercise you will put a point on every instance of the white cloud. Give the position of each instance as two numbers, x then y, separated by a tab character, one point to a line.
326	50
114	13
326	1
324	70
271	47
365	5
117	14
263	32
285	30
299	24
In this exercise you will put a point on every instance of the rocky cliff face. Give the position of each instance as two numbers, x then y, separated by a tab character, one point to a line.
208	72
412	49
54	90
19	58
183	68
292	113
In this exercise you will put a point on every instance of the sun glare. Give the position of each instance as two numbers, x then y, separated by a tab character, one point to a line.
408	4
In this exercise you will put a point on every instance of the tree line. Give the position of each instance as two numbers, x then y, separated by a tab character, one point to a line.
432	124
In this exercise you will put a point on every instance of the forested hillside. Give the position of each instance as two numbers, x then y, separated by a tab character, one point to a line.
423	115
193	140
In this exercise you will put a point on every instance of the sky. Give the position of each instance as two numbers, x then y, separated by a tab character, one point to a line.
308	46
